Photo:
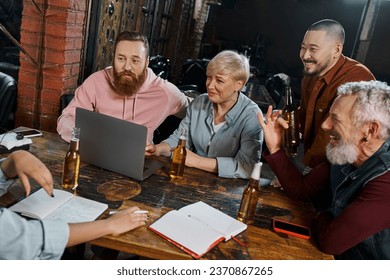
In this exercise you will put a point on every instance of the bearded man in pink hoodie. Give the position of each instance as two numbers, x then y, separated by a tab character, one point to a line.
128	90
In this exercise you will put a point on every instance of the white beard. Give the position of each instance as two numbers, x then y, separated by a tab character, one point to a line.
342	154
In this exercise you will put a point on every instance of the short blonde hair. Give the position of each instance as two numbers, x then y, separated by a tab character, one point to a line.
230	62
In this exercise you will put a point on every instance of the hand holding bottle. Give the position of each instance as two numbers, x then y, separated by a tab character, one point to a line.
161	149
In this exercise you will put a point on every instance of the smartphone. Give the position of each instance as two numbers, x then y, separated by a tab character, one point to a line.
30	132
291	229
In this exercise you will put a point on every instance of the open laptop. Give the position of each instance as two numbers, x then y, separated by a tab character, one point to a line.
114	144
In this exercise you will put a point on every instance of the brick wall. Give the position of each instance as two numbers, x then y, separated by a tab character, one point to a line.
52	33
199	27
188	33
177	50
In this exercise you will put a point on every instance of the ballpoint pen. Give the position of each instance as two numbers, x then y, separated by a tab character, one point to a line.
135	212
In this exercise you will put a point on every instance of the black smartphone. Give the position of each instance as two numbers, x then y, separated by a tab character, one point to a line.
291	229
30	132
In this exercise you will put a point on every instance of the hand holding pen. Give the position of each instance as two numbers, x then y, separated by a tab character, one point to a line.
131	216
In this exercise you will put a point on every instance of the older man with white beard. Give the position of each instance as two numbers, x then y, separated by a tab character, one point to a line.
354	185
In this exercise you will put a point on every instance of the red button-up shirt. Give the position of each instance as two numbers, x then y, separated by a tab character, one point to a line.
317	97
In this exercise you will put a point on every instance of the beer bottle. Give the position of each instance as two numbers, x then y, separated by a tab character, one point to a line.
179	156
70	175
291	134
250	196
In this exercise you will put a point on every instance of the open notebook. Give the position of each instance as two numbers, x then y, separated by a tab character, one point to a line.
63	206
197	228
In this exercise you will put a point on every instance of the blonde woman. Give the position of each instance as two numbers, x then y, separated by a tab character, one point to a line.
223	133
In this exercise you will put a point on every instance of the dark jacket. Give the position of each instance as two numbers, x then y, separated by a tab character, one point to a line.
356	220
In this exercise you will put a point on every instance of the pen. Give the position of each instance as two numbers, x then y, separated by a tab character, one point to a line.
135	212
141	212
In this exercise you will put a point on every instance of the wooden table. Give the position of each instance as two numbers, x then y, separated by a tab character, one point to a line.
159	194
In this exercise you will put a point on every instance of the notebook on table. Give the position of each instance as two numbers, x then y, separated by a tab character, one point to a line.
64	206
197	228
114	144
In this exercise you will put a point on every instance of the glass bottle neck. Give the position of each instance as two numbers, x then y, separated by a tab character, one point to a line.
182	142
74	144
183	134
288	97
253	184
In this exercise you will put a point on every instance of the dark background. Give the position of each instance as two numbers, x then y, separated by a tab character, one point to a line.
274	30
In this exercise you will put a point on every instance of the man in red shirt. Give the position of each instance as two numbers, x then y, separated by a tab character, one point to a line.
354	185
325	69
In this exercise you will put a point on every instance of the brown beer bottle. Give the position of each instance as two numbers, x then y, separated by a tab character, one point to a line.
179	156
250	196
70	175
291	134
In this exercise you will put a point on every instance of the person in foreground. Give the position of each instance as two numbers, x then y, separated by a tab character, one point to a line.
223	134
354	222
128	90
40	239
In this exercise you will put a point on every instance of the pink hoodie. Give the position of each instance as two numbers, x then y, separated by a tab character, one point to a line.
156	100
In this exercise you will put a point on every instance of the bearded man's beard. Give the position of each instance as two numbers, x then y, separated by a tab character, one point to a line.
128	86
315	71
342	154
